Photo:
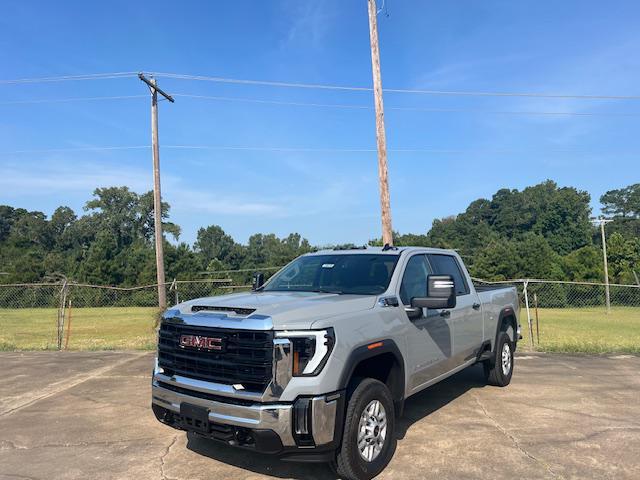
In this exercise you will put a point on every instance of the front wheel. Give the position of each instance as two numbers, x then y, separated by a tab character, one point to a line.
368	441
499	369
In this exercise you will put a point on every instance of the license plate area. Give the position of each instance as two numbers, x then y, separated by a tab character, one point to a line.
194	417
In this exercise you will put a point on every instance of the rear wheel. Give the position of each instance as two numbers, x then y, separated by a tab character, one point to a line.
368	441
499	369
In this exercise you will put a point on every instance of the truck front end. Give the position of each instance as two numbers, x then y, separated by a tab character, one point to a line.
226	374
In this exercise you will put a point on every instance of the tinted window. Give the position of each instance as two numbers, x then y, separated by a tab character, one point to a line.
414	281
359	274
448	265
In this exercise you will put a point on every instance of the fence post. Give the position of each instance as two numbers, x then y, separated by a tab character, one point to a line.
526	303
535	305
174	287
61	313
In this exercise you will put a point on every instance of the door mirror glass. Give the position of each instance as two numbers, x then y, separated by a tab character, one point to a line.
258	281
413	312
440	293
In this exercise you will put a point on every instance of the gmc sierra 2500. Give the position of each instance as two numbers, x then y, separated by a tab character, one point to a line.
315	364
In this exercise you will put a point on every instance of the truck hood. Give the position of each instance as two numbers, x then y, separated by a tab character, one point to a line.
287	310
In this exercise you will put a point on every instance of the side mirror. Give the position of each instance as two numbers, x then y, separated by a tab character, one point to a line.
441	293
258	281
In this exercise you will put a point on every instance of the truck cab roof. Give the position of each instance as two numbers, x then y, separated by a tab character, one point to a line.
378	250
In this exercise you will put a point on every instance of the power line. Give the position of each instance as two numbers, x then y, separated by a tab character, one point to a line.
327	105
66	78
392	90
71	99
76	149
417	109
315	150
179	76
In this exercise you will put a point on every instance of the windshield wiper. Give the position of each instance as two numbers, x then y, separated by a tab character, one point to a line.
324	290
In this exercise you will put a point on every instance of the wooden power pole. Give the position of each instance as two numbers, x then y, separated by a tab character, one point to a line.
385	202
157	197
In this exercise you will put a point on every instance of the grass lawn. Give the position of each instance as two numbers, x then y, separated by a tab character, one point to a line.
112	328
586	330
574	330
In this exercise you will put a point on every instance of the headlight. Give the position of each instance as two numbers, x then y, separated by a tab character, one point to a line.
310	350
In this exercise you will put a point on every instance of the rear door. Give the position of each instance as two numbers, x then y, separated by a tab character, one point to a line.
466	317
430	336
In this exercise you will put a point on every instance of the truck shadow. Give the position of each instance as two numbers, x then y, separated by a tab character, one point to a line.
433	398
417	407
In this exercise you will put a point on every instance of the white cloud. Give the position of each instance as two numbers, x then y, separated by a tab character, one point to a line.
308	22
222	204
53	177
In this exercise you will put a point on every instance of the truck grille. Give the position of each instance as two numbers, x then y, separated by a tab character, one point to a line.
245	357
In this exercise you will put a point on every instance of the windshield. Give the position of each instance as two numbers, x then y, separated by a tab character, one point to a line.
360	274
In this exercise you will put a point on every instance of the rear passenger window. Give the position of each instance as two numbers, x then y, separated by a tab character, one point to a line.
448	265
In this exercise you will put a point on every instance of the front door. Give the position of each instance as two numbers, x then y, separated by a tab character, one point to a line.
430	337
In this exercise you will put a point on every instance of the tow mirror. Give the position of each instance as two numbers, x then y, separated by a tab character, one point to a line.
441	293
258	281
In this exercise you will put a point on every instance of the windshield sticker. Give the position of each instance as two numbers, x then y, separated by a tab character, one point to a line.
328	265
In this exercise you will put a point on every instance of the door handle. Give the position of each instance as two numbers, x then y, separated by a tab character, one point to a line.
476	306
445	313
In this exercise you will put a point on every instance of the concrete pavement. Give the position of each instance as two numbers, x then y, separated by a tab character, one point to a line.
80	415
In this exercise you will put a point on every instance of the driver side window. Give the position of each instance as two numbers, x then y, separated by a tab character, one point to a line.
414	280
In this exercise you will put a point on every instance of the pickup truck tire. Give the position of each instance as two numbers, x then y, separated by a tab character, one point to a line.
368	440
499	369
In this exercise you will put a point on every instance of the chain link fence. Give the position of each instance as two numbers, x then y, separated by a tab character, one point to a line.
555	315
580	317
90	317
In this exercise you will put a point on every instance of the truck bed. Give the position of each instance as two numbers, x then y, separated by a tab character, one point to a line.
485	287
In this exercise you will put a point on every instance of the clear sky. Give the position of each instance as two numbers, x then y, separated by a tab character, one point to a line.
573	47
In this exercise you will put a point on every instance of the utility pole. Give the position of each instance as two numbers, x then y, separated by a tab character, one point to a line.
602	221
157	198
385	202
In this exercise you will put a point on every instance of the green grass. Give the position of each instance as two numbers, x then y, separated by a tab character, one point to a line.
586	330
112	328
572	330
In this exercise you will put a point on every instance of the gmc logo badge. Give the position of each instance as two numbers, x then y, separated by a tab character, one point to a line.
197	341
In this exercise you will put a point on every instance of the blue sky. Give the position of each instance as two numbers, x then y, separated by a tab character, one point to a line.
576	47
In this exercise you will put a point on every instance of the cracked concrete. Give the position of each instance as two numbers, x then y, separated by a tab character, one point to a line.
86	415
163	456
513	439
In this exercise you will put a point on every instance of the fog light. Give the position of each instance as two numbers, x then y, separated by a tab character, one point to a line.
302	411
302	422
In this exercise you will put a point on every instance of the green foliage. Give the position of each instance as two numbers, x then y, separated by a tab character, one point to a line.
624	257
623	202
584	264
542	231
112	244
529	257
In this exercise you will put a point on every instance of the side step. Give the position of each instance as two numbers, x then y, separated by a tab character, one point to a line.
486	355
485	352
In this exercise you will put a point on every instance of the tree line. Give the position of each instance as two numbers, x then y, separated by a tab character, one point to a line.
543	231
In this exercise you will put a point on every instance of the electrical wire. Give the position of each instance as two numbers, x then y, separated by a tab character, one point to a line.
416	109
327	105
180	76
392	90
316	150
71	99
65	78
75	149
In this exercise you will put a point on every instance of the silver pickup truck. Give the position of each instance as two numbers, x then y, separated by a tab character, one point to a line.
316	363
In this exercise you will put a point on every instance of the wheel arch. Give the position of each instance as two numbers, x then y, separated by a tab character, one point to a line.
506	319
381	360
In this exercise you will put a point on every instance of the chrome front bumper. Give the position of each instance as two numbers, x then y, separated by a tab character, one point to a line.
277	417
